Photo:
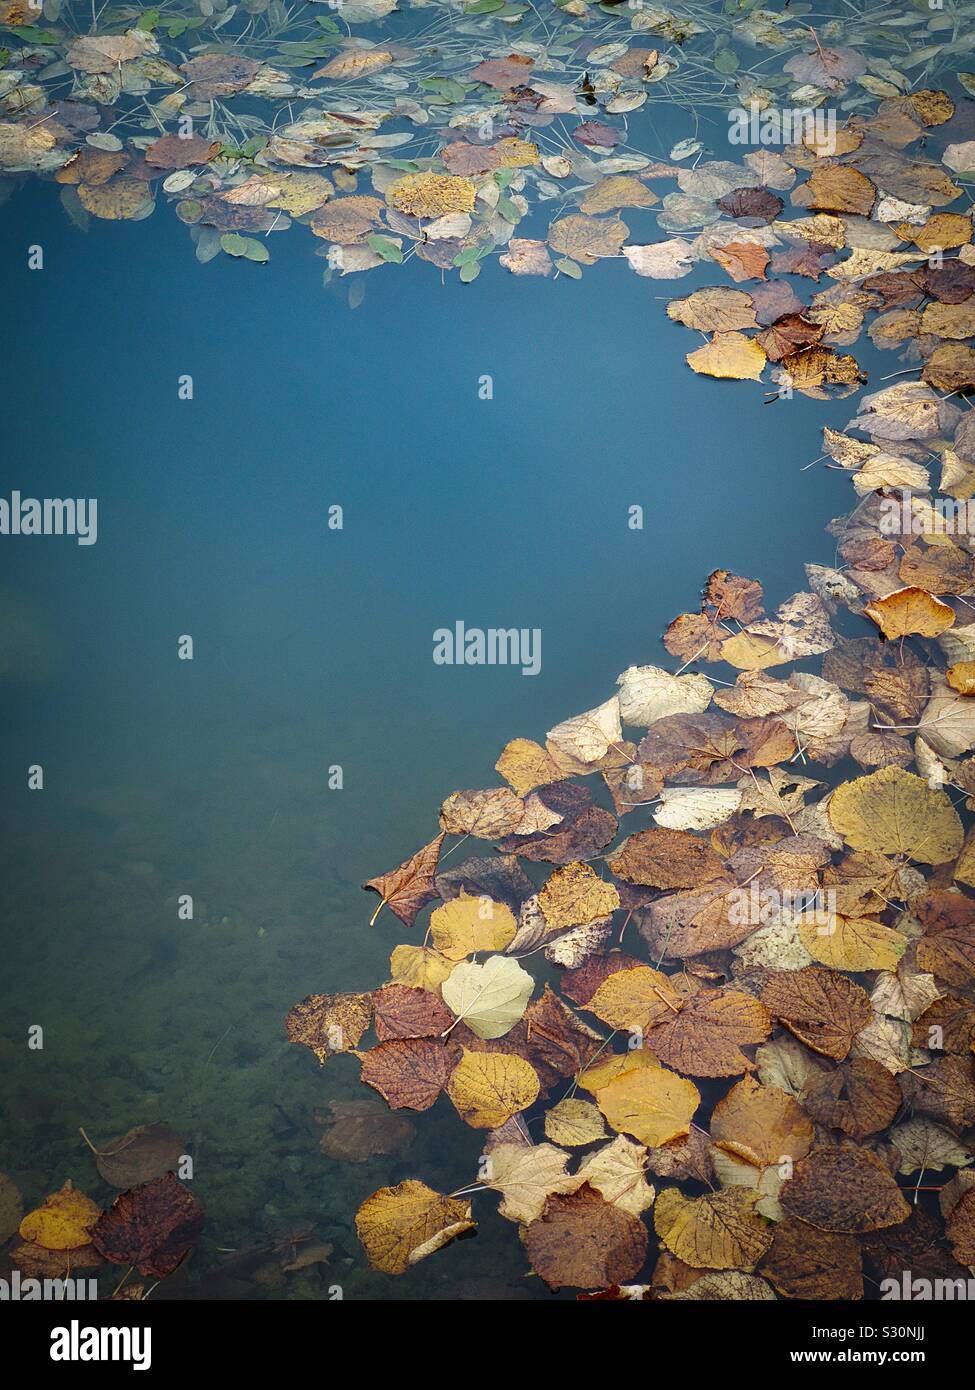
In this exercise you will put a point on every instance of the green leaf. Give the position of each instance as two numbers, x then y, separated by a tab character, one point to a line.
328	24
484	6
148	21
386	248
726	60
570	268
445	89
244	246
470	271
31	34
509	210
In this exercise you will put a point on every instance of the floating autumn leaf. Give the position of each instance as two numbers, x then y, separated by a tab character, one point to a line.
635	999
896	812
586	239
409	1073
664	858
154	1227
803	1262
582	1241
909	611
616	1171
465	926
729	355
398	1226
138	1156
526	1175
328	1023
719	1231
574	1123
714	310
526	765
360	1129
848	1190
357	62
179	152
403	1011
64	1222
923	1145
618	191
837	188
661	260
850	943
706	1036
586	738
487	1088
649	1102
487	814
490	998
575	895
409	887
419	966
648	693
822	1008
742	260
860	1098
760	1125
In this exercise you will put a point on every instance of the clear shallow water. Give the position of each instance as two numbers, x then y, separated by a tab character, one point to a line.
311	648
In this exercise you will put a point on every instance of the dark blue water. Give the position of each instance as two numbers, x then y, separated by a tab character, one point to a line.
313	647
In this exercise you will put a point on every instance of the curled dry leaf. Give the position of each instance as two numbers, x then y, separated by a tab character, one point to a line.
399	1226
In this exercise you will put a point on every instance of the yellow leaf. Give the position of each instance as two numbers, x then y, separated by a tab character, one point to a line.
574	896
653	1104
466	925
718	1231
432	195
487	1088
729	355
64	1222
910	610
575	1123
419	966
895	812
400	1225
851	943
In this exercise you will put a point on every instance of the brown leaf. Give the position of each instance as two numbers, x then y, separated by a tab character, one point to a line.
582	1241
409	1073
706	1036
804	1262
846	1190
154	1227
404	1012
860	1097
822	1008
144	1153
328	1023
409	887
666	859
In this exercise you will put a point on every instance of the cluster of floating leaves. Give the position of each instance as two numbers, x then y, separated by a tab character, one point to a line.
149	1230
714	1102
445	131
743	1068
